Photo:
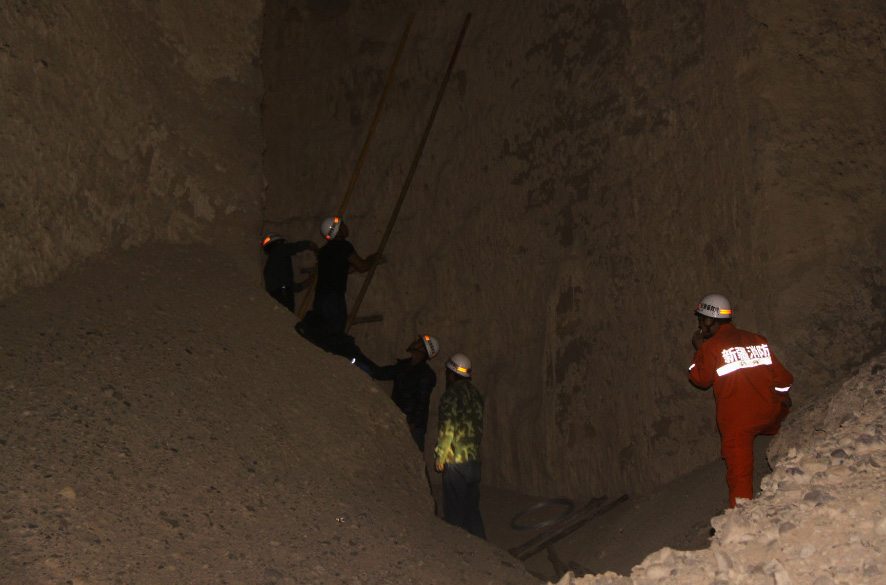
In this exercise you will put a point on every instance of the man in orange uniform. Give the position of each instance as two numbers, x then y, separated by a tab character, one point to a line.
750	385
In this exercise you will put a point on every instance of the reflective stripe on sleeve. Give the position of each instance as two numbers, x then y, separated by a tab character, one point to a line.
777	389
690	367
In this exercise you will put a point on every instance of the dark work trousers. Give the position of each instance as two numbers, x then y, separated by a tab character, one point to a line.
286	296
461	497
331	306
419	436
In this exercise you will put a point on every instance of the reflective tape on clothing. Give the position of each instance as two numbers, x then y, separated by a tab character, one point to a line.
741	364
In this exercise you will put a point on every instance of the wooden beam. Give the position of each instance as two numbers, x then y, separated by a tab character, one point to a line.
306	301
405	189
560	567
368	319
564	528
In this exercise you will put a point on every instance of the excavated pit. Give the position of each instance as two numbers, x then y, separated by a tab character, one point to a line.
592	170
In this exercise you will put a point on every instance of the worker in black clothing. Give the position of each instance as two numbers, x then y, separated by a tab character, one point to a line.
335	261
414	380
324	325
279	280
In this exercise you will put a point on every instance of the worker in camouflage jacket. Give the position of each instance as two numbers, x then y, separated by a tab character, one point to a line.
457	455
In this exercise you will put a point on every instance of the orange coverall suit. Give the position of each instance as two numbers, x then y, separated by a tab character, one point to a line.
750	386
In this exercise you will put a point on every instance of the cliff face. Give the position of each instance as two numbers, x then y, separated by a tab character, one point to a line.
593	170
125	122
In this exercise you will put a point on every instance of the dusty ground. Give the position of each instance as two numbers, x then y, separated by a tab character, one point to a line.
163	423
821	515
677	515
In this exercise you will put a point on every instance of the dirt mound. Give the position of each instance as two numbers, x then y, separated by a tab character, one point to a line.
163	422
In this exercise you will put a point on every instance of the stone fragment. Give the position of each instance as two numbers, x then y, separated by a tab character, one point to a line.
871	569
658	571
818	497
869	461
659	557
724	563
779	573
789	486
731	528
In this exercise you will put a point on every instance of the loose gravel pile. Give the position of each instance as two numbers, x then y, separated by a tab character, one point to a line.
821	519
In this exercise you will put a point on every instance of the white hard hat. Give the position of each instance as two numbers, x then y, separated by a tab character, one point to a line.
432	346
460	364
330	226
714	306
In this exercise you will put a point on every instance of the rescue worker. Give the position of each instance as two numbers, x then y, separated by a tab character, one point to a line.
335	260
278	268
750	387
457	455
325	324
414	380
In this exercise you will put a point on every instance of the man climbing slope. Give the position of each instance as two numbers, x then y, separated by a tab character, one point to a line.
414	380
335	260
325	324
277	272
750	386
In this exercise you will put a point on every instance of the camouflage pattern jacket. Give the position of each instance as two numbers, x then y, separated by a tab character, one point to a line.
461	424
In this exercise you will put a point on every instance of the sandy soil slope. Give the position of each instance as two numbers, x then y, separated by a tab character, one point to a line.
161	422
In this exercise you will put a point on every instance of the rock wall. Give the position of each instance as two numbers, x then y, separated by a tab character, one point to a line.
594	168
125	122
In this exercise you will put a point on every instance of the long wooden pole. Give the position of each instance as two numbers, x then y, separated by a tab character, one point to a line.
565	528
412	168
344	204
381	103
